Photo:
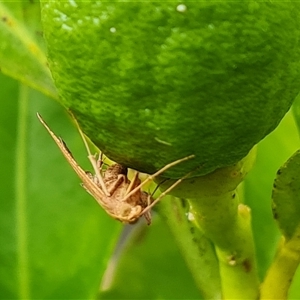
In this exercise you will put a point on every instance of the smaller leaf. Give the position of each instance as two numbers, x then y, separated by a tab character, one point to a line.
286	210
286	196
296	111
257	188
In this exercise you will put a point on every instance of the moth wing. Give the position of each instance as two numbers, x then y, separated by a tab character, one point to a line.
88	183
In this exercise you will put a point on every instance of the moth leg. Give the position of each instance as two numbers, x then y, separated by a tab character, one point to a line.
100	161
166	192
151	177
121	178
134	183
93	161
157	186
147	216
146	200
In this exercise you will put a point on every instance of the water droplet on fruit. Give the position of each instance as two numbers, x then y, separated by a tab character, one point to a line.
66	27
147	111
181	8
61	16
73	3
96	21
190	216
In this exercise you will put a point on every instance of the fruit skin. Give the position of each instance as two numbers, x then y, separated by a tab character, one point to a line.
153	82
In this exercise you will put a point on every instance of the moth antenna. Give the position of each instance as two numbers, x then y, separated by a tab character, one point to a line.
92	158
166	192
157	186
151	177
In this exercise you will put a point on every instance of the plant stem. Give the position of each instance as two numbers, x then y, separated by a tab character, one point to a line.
283	268
216	211
196	249
229	228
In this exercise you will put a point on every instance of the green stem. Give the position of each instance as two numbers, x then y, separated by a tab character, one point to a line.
196	249
229	227
217	212
282	270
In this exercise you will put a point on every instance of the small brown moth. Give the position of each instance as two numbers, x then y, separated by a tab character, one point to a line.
117	195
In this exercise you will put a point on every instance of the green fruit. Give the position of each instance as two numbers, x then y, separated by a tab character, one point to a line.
151	82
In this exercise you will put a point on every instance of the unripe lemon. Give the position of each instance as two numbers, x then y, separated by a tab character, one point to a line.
152	82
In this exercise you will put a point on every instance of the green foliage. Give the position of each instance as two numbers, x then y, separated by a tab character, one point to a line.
21	56
53	242
287	213
272	152
286	204
56	243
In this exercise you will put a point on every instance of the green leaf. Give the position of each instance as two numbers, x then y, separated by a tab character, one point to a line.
296	111
258	186
286	210
286	196
20	55
294	292
55	239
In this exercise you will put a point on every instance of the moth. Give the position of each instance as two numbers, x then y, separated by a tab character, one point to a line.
121	198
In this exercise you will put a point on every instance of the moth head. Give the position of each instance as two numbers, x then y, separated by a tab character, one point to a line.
130	214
